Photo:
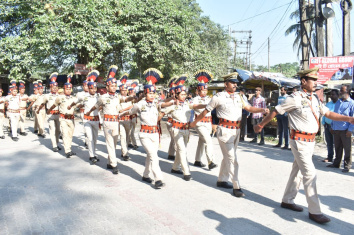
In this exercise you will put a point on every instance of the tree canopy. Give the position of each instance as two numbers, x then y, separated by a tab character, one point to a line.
40	37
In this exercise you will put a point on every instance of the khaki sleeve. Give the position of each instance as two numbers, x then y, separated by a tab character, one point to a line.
214	102
288	105
99	103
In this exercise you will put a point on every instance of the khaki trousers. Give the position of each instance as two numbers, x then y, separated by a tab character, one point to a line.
2	118
91	130
35	120
22	119
151	143
172	147
67	126
83	122
54	129
124	129
228	141
14	118
110	130
132	132
302	152
205	142
41	119
181	138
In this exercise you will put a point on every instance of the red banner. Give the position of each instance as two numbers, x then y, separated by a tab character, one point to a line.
333	68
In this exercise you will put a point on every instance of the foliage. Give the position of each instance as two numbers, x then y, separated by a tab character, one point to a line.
39	37
296	28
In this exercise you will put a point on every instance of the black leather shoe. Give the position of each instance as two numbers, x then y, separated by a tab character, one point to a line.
159	184
277	146
110	167
292	207
345	170
212	165
72	153
170	157
41	135
147	179
285	147
223	184
35	132
56	149
14	138
68	155
86	146
199	163
130	146
187	177
238	193
177	172
321	218
261	143
332	166
253	141
23	133
93	160
59	148
2	137
115	170
61	137
135	147
125	158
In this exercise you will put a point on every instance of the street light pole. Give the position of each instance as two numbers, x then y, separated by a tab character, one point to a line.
346	7
319	29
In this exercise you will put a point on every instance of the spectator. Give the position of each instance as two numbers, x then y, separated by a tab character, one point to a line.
342	131
245	115
283	126
258	102
326	122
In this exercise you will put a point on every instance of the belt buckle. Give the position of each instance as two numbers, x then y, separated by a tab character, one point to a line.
187	126
154	128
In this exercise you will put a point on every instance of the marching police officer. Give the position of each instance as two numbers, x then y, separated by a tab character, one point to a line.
40	110
23	107
203	127
92	121
304	109
33	99
13	109
81	96
67	123
53	115
133	119
229	104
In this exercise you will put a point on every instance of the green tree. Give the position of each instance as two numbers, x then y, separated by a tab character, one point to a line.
296	29
37	37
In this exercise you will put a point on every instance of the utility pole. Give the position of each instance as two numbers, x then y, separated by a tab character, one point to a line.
268	54
329	35
346	27
319	29
249	54
304	41
235	44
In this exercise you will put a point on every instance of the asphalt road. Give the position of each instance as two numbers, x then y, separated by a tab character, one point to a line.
42	192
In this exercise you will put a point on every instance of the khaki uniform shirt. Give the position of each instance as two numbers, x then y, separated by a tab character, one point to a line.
14	102
23	102
200	100
63	102
148	112
81	95
180	112
126	104
39	100
89	101
110	103
228	106
2	105
300	115
49	99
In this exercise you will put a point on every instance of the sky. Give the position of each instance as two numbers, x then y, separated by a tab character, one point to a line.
273	24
